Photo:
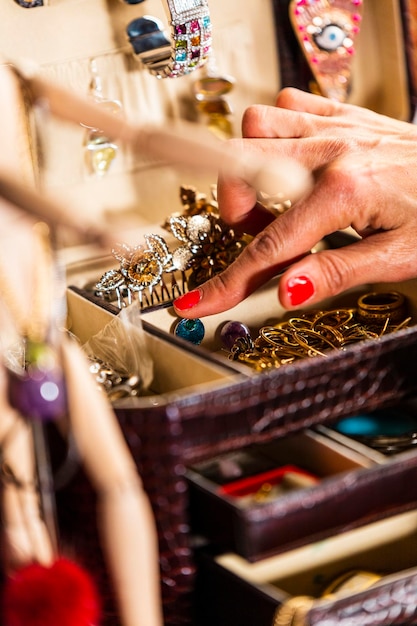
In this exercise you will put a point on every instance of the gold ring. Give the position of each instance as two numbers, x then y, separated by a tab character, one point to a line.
376	307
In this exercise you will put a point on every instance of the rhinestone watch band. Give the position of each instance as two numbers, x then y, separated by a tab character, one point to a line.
188	48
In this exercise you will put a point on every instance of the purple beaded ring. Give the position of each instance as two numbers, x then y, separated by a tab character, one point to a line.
231	331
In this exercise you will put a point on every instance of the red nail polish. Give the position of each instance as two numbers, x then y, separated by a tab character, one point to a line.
188	300
299	289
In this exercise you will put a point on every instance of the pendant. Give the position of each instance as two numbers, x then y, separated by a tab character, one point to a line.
100	151
326	31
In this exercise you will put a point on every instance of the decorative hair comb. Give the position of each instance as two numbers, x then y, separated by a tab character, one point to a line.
158	275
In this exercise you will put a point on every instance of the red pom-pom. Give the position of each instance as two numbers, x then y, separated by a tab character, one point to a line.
61	594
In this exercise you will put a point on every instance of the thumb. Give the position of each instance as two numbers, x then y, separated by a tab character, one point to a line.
376	259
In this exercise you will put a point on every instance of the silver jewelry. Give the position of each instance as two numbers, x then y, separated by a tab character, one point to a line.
158	275
112	383
187	49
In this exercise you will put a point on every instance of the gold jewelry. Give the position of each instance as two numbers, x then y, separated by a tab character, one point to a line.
326	31
319	332
381	308
351	582
294	611
159	275
210	91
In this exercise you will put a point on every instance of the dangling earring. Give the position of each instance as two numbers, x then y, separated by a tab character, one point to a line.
33	385
100	151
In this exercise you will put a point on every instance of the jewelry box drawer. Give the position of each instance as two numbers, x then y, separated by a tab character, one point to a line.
310	391
272	497
261	310
382	434
176	372
377	563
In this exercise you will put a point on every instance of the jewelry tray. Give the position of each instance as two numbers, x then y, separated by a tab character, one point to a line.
203	407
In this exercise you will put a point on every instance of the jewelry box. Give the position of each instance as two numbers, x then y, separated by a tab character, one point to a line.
206	406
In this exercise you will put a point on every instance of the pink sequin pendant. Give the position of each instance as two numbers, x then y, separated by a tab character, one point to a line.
326	31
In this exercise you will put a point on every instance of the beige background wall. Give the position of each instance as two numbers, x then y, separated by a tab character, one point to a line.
63	36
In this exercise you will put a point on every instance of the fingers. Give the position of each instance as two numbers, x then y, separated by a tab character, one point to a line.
325	274
239	206
297	100
282	175
299	114
287	238
238	200
262	121
295	115
310	278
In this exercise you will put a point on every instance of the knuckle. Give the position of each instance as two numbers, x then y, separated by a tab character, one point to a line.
287	97
265	247
343	180
224	288
253	120
335	272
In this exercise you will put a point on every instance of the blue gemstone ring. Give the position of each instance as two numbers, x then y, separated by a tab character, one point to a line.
187	49
190	330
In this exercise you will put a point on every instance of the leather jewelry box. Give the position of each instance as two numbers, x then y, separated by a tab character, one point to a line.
203	407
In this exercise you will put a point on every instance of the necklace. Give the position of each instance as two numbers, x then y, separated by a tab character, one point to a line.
32	323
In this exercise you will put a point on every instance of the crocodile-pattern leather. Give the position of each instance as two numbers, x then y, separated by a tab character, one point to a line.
383	605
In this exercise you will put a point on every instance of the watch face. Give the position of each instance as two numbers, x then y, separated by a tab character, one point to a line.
181	6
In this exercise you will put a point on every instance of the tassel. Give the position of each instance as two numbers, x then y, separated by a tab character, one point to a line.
38	595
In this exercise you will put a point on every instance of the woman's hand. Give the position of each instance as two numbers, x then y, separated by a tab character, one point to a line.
365	171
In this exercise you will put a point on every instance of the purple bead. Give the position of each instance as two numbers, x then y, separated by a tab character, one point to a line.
232	331
38	394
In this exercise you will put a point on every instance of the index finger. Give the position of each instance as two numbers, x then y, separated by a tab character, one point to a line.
288	238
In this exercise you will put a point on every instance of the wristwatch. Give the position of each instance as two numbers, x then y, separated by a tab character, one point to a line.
186	50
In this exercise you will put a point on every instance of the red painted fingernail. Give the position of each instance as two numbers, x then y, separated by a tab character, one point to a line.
299	289
188	300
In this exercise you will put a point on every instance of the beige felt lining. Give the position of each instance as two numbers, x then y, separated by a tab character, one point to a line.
62	37
177	372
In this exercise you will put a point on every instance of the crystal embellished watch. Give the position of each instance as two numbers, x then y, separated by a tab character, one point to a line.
188	48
